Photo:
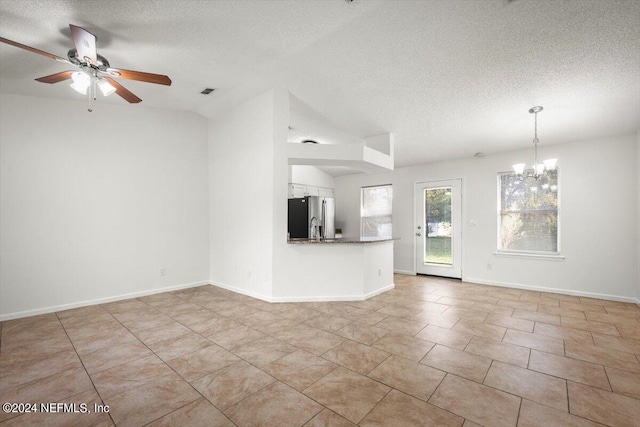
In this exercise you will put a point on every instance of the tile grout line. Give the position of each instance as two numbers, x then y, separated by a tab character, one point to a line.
83	366
376	405
444	409
159	358
608	379
221	410
248	362
520	409
576	415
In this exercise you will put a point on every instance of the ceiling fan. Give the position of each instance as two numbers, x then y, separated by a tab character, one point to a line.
94	69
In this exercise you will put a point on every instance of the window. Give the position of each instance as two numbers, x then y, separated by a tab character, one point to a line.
528	213
437	206
375	211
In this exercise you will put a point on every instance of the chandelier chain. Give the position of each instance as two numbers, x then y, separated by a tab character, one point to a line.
535	146
539	170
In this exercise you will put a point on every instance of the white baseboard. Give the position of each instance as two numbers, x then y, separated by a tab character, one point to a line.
405	272
379	291
240	291
552	290
53	309
320	298
329	298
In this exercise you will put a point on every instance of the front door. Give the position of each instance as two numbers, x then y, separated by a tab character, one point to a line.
438	230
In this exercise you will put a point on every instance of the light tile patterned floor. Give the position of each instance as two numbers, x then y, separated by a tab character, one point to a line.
430	352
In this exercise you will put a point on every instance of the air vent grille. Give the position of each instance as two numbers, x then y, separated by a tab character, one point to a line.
207	91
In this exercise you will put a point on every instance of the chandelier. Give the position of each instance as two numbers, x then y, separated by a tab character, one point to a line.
537	169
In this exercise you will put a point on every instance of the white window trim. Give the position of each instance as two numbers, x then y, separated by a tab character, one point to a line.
511	253
549	256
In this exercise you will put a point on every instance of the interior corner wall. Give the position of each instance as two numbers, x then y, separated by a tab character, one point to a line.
94	205
241	167
638	216
599	193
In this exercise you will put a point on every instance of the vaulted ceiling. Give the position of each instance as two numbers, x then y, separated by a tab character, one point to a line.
447	78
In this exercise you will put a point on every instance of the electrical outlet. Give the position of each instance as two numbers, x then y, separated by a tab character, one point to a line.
489	267
163	271
379	272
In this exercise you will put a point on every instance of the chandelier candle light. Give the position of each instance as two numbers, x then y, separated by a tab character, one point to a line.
539	169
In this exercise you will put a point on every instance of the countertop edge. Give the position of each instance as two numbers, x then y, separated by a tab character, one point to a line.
342	241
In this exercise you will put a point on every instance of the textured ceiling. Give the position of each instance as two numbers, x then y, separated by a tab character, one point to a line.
447	78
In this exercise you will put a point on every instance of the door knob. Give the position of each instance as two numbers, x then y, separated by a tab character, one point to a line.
418	234
419	227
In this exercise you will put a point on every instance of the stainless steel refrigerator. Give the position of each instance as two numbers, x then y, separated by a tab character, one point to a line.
312	217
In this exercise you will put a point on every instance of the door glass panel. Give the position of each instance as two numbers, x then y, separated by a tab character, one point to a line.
438	226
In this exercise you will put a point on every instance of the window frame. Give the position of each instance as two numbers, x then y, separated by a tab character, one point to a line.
362	189
557	254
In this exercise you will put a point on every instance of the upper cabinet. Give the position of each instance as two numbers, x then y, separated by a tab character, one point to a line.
297	191
325	192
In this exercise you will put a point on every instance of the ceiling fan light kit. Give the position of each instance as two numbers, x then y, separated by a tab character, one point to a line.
538	169
81	82
95	71
105	87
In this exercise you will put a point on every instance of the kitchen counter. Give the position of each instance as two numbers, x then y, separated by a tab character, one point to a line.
356	240
344	269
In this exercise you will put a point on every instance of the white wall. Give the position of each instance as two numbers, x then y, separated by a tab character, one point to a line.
599	193
93	205
241	170
311	175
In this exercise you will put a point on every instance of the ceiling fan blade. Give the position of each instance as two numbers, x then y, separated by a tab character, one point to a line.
56	78
141	76
123	92
34	50
85	43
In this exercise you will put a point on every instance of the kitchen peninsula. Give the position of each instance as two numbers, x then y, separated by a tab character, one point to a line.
344	269
310	264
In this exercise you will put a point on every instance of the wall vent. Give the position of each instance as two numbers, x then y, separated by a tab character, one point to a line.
207	91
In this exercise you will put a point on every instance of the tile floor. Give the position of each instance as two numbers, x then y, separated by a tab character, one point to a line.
430	352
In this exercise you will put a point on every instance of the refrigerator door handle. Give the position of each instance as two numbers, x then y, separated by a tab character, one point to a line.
324	218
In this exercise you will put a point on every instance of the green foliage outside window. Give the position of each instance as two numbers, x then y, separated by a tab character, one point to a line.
529	212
